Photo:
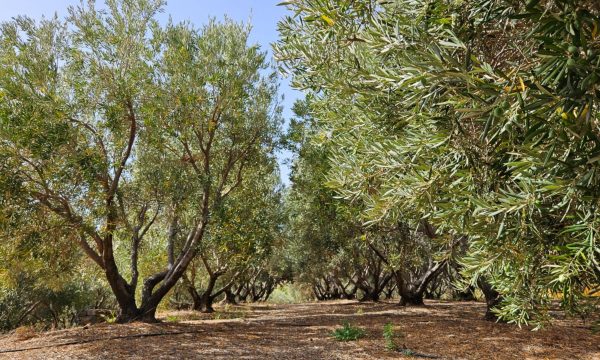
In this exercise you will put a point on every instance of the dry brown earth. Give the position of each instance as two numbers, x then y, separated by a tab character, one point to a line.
443	330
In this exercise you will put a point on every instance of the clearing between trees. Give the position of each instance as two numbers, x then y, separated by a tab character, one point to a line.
441	330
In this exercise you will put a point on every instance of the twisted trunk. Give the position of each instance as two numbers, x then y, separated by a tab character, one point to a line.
230	297
412	292
203	302
492	299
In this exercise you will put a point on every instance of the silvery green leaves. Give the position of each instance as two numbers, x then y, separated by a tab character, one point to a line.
133	133
480	118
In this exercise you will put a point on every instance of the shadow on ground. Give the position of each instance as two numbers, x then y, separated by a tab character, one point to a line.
443	330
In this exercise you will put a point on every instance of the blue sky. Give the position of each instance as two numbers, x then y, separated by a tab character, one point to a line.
263	14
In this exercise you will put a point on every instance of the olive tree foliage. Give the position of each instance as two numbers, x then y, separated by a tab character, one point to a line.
319	231
480	117
42	278
362	259
331	144
131	133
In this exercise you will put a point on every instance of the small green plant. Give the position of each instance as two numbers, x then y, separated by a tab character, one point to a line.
389	335
348	332
360	311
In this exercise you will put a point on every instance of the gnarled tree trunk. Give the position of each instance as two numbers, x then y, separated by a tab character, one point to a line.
230	297
492	299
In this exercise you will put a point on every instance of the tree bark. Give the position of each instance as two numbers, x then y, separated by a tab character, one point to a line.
412	293
492	299
389	291
370	295
410	297
229	297
203	302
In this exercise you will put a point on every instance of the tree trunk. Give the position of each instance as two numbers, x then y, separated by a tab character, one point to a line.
410	294
204	303
269	290
370	295
243	293
412	291
317	292
229	297
128	315
129	311
389	291
492	299
239	293
351	295
410	297
148	315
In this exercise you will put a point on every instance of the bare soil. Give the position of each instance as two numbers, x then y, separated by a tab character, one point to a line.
442	330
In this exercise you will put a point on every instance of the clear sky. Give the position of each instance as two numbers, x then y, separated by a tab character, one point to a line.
263	14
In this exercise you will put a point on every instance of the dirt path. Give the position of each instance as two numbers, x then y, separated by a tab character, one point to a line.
441	330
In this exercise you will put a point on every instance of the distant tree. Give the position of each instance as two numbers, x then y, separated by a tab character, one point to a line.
362	258
244	230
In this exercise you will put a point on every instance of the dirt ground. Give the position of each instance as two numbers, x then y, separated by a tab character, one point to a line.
441	330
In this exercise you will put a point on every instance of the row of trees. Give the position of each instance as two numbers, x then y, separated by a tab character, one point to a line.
366	261
442	146
135	147
453	132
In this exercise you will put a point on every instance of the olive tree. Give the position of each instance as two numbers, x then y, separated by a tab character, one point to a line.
244	230
477	117
131	132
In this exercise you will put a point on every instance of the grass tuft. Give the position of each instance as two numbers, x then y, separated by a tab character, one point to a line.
348	333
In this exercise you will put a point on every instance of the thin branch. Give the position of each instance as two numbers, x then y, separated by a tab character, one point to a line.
125	157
